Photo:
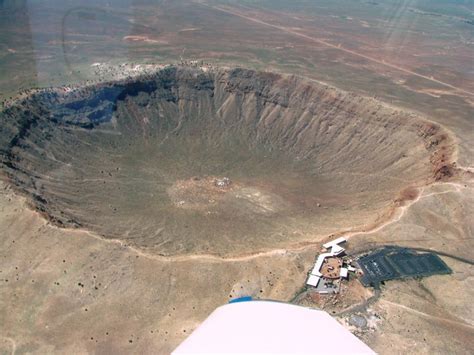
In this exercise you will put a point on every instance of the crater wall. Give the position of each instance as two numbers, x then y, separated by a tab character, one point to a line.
305	160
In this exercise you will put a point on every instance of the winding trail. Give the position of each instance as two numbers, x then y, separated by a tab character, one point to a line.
426	315
328	44
12	342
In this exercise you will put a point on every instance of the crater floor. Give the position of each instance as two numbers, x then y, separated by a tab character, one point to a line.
139	159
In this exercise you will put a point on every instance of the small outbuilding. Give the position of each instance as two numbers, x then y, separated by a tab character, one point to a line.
344	273
313	280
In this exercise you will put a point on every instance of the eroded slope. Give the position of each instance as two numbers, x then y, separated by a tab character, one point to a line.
305	160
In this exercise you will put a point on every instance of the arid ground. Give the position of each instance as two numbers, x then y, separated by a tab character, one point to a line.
348	120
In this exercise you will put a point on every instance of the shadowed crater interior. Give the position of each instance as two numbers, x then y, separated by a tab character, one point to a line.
218	161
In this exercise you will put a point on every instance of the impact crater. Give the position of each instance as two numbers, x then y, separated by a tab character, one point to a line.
221	161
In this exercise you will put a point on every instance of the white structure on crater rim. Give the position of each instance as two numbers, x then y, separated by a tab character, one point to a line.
316	278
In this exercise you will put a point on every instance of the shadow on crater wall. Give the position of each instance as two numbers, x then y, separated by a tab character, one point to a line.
305	160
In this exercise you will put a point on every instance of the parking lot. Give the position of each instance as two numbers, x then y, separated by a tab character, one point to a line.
395	263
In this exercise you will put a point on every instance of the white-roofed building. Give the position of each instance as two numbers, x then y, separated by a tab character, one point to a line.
334	249
319	263
334	242
313	280
344	272
337	250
